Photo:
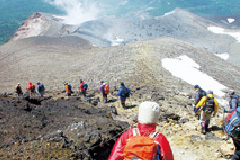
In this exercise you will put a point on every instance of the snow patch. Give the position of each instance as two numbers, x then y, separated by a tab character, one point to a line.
230	20
235	35
188	70
168	13
224	56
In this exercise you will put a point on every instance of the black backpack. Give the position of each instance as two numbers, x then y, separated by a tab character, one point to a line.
18	89
209	105
41	88
124	92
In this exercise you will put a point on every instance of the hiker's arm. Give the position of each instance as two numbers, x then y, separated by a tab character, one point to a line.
119	92
200	103
215	107
166	151
117	151
234	104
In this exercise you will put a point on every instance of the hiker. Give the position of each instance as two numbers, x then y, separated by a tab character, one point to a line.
18	89
68	88
234	98
124	92
155	144
104	88
198	96
31	88
83	87
232	127
209	106
40	88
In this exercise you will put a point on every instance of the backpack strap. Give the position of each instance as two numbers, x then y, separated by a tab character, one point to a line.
154	134
136	132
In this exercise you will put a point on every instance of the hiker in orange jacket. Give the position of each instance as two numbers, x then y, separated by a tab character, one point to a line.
148	117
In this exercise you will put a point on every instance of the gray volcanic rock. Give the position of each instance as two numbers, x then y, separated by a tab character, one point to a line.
56	129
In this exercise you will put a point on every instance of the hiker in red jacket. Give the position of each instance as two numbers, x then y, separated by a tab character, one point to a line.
148	117
82	88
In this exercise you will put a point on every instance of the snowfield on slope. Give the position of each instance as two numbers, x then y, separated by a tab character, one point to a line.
188	70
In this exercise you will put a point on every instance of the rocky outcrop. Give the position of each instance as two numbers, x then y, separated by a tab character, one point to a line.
32	27
56	129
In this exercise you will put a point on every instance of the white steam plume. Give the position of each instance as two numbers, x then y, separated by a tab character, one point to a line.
77	11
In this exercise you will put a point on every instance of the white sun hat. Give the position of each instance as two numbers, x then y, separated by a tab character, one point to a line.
149	112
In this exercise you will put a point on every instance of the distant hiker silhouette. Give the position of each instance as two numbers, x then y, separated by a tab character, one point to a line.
18	89
143	142
124	92
31	88
40	88
68	88
104	88
83	87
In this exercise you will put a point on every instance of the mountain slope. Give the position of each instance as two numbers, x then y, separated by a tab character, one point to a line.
110	31
137	64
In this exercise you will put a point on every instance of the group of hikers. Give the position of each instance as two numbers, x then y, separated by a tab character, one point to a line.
123	93
144	142
30	89
205	107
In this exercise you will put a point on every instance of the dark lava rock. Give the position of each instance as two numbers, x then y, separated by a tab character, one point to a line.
57	129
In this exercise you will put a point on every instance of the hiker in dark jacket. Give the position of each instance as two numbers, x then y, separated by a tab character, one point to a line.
198	96
123	94
40	88
18	89
234	98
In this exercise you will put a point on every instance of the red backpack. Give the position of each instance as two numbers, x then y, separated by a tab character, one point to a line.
106	89
142	148
32	88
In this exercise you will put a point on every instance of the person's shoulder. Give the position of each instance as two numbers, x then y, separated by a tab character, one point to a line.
162	137
127	133
204	97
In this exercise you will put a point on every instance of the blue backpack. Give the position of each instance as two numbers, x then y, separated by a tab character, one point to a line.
70	87
85	86
41	88
125	92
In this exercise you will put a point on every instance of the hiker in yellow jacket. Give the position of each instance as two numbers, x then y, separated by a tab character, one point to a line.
208	106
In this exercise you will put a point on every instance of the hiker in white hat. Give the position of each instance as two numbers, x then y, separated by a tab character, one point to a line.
145	137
